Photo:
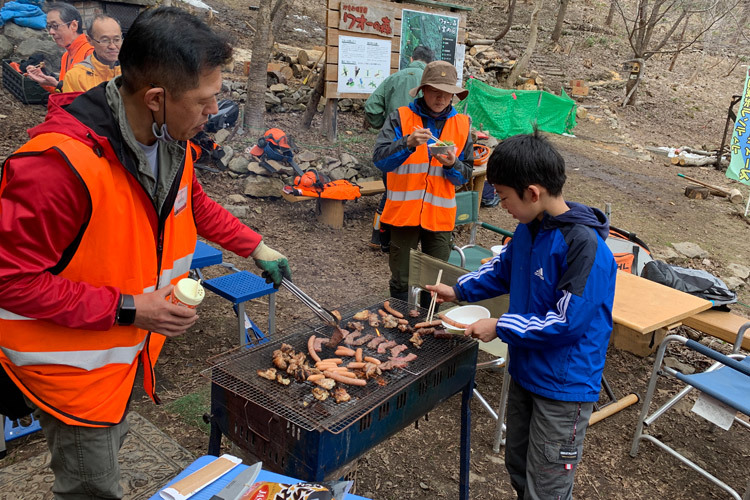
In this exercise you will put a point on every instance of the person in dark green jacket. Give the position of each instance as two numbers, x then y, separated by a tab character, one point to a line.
388	97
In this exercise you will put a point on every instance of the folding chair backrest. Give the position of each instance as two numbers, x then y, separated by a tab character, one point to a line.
467	207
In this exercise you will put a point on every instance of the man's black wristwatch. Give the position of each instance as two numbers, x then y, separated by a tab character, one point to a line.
126	310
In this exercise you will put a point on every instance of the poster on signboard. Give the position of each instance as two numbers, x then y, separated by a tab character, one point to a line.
739	144
436	31
363	64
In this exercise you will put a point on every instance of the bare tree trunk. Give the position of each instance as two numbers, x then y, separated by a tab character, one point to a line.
255	105
312	103
679	44
611	13
509	22
631	87
520	66
560	18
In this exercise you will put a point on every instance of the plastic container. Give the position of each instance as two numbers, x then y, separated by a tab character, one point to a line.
24	89
187	293
481	154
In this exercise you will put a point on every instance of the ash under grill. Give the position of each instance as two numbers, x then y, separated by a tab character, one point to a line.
236	372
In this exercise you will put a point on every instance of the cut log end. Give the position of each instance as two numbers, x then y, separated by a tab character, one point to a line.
697	192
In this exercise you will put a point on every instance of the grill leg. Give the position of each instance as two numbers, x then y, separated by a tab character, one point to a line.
463	493
214	439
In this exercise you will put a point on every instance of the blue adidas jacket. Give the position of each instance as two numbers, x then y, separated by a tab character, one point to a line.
561	278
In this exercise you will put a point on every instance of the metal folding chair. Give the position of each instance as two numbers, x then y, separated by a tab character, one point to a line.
726	381
469	256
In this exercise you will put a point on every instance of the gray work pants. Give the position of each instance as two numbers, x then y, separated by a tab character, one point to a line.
544	443
84	459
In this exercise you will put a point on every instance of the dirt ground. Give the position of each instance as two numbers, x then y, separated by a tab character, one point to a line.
606	163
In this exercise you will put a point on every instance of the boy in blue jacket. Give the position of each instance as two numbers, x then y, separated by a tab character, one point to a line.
561	279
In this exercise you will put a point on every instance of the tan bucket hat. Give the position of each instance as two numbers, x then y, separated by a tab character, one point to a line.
442	76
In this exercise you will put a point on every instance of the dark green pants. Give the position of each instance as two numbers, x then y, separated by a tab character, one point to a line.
403	239
84	459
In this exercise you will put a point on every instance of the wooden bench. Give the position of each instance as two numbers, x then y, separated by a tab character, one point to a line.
720	324
331	212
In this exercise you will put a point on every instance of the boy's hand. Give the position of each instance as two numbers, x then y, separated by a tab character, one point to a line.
484	330
446	160
445	293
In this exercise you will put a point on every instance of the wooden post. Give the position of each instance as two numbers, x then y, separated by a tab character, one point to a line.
330	115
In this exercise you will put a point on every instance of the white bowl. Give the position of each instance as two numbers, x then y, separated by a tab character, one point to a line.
466	315
441	150
497	249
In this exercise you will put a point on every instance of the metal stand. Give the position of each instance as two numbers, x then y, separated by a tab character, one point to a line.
468	391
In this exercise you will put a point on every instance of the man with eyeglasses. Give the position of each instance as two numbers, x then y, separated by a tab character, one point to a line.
105	35
65	26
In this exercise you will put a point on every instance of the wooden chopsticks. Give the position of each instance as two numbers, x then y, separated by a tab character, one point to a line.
431	310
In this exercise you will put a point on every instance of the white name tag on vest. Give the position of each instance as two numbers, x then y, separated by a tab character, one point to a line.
181	201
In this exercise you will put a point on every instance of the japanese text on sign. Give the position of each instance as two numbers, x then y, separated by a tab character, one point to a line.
366	19
739	164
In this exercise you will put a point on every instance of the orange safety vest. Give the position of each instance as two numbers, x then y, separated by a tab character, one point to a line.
85	377
418	193
80	48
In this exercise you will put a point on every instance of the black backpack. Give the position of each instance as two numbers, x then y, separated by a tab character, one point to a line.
228	113
693	281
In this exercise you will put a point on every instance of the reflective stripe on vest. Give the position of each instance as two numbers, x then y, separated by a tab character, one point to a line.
85	377
418	193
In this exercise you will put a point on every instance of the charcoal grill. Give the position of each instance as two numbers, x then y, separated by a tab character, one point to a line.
296	435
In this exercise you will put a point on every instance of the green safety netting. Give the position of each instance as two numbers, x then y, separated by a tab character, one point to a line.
504	112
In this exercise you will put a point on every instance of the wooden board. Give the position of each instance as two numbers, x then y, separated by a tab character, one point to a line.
720	324
644	306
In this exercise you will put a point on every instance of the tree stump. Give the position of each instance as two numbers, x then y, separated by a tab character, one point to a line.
697	192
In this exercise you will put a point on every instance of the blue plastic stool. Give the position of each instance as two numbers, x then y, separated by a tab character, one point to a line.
238	288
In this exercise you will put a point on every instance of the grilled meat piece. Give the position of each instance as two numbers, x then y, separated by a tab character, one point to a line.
398	362
390	321
355	326
361	340
352	337
416	340
414	313
371	370
338	335
269	374
280	359
373	344
318	344
395	351
373	320
282	379
385	345
319	393
326	383
340	395
362	315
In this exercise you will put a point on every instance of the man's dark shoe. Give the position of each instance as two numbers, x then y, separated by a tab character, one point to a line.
490	202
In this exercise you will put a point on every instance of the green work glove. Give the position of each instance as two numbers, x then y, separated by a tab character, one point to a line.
275	266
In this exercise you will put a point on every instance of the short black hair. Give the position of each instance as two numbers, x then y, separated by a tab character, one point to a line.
170	48
423	53
522	160
68	13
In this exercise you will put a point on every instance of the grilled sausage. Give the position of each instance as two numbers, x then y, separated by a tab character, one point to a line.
425	324
451	322
344	351
358	354
392	311
355	365
370	359
311	348
344	379
315	377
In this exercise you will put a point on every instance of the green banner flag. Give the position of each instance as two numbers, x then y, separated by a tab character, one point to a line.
739	144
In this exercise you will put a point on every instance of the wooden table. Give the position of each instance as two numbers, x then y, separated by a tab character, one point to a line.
643	307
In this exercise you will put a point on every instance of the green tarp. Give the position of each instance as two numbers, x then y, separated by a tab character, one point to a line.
504	113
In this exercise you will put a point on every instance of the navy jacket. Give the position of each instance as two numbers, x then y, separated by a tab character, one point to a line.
561	278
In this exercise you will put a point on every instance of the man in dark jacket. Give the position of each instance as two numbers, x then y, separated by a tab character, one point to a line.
561	279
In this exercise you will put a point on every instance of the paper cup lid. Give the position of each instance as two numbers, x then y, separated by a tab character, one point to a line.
189	291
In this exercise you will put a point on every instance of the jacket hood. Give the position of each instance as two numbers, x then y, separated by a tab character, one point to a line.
79	116
580	214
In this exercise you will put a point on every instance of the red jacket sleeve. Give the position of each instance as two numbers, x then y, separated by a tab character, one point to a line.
216	224
42	209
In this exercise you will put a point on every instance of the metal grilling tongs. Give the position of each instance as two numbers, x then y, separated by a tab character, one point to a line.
324	314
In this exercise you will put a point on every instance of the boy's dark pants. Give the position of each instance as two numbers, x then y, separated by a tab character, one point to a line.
544	443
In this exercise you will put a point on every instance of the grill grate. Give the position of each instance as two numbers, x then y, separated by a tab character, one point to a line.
236	372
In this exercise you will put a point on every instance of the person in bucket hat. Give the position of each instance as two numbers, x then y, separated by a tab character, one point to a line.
420	202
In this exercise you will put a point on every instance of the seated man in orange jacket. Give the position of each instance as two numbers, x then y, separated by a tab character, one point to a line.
102	65
65	26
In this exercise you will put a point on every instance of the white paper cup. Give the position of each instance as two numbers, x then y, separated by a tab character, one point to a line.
497	249
187	293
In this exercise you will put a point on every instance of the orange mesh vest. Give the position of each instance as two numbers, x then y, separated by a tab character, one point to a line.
418	194
85	377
